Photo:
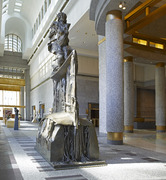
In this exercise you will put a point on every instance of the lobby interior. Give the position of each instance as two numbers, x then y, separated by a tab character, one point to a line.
111	36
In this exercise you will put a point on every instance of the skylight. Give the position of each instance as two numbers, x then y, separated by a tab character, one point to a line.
18	4
17	10
5	7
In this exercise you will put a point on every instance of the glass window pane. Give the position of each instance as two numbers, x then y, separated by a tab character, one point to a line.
13	43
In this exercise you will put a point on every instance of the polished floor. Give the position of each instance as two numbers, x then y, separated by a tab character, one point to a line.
143	157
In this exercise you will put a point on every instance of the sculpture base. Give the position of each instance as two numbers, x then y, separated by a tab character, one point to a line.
74	165
66	144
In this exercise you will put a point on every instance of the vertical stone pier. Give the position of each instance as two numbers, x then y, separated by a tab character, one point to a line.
27	90
114	77
102	85
128	94
160	97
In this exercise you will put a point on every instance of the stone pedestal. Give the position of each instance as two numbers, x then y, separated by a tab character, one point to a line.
128	94
160	97
64	143
114	77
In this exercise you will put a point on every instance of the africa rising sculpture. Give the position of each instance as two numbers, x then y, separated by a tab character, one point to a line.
62	136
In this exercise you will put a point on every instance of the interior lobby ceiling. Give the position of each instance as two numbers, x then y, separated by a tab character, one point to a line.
83	35
151	30
86	38
156	28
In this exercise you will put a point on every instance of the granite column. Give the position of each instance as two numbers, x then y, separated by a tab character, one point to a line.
27	97
128	94
160	97
102	84
114	77
22	101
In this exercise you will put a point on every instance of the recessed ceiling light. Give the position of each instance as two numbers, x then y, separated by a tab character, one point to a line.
17	10
122	5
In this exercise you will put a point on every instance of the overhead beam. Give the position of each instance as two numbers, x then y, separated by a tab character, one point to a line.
140	9
149	38
146	48
12	106
11	73
161	11
9	81
9	88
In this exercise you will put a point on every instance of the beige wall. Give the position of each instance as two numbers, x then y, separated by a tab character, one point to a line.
146	104
139	73
88	66
149	73
144	73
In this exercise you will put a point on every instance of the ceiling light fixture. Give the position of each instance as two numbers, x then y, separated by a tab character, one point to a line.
122	5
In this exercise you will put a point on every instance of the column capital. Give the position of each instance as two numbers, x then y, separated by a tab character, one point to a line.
114	14
128	59
160	64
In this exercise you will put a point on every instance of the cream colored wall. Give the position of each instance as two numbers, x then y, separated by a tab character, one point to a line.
41	85
88	66
139	73
42	94
144	73
149	73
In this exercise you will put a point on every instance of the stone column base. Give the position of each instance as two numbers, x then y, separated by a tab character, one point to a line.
115	138
128	129
160	129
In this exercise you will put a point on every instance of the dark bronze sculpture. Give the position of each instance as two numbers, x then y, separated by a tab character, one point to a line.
16	119
62	136
58	44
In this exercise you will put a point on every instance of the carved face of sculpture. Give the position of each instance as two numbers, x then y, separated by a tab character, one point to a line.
62	17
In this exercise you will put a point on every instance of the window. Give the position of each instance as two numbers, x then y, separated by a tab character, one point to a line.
140	41
157	45
42	13
13	43
9	98
39	18
5	7
34	29
37	24
45	6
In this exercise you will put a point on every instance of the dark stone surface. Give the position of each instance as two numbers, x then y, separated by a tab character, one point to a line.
62	137
16	119
63	146
115	142
58	44
145	125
